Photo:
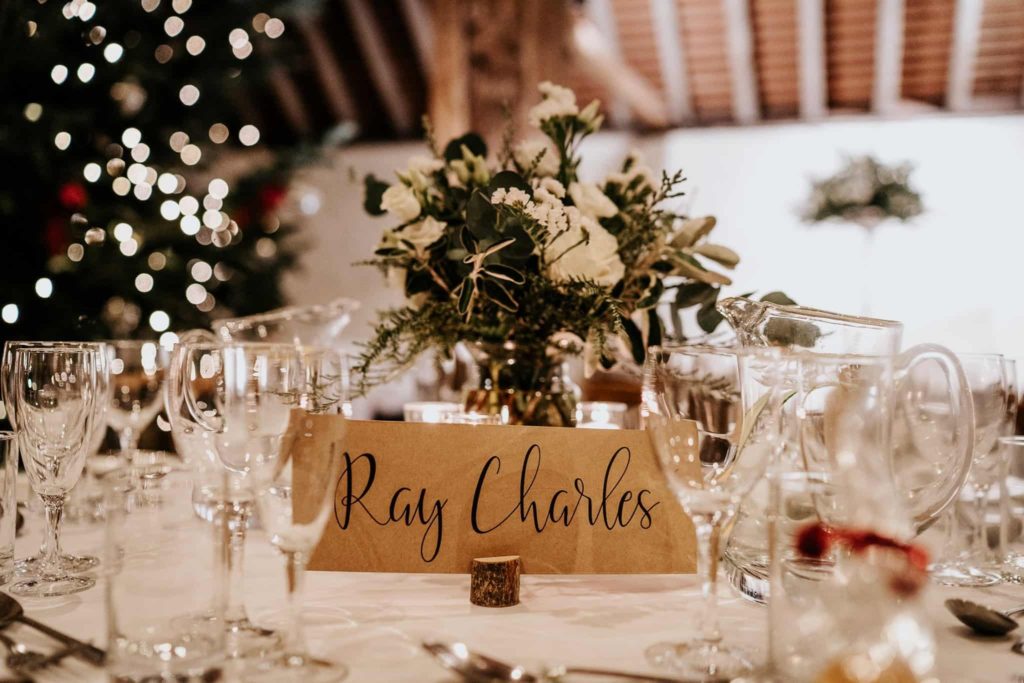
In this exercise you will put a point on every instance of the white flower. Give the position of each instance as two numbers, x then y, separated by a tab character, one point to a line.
423	233
549	214
553	186
589	199
557	102
585	250
400	201
511	196
527	151
425	165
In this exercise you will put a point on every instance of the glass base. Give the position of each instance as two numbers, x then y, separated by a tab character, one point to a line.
69	564
51	586
296	669
700	660
246	640
961	575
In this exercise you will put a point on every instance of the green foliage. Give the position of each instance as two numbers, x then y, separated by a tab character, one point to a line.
864	191
526	253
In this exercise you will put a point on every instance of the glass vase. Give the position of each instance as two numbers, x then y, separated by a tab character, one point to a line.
523	386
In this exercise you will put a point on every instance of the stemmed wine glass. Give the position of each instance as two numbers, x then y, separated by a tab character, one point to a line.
256	388
137	370
711	455
57	395
262	385
989	382
195	377
72	564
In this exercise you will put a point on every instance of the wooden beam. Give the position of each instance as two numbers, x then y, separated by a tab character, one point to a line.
418	19
328	72
448	99
672	59
964	54
290	99
383	70
740	42
602	16
886	94
812	70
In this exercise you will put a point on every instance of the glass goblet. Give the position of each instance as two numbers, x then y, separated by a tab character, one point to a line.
72	564
975	564
711	457
261	387
57	403
195	377
137	370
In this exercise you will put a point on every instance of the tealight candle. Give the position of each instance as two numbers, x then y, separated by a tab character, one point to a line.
430	411
601	415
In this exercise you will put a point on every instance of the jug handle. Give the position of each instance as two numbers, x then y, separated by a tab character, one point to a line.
962	407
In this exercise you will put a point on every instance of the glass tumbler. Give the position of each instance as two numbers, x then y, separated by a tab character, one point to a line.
8	502
163	596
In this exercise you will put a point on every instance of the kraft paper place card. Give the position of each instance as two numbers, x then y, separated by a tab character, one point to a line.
415	497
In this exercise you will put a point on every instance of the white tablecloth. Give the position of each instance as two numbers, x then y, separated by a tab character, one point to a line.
374	622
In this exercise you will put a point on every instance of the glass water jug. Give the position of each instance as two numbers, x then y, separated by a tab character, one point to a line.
927	481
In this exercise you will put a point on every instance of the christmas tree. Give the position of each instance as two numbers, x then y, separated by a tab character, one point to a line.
116	219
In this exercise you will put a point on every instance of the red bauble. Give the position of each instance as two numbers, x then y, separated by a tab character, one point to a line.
73	196
271	197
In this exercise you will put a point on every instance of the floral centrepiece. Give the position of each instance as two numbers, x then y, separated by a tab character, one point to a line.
865	192
527	263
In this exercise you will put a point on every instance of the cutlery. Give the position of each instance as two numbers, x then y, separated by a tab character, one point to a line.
982	619
478	668
11	611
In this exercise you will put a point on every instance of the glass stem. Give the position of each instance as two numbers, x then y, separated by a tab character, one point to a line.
707	565
128	439
238	518
981	531
50	550
295	569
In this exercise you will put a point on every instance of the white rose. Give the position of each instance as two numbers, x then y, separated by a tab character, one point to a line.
526	151
589	199
558	101
596	259
423	233
400	201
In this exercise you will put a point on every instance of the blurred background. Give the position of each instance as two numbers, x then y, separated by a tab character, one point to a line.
290	104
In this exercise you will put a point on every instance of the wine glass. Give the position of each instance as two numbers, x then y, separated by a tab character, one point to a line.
194	379
711	455
137	370
72	564
262	385
976	565
57	403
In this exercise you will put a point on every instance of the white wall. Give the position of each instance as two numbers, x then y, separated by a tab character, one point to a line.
951	276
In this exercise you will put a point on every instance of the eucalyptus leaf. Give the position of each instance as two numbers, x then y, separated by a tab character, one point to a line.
693	229
508	179
718	253
468	240
693	293
685	266
778	298
654	331
708	317
636	340
373	194
481	216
